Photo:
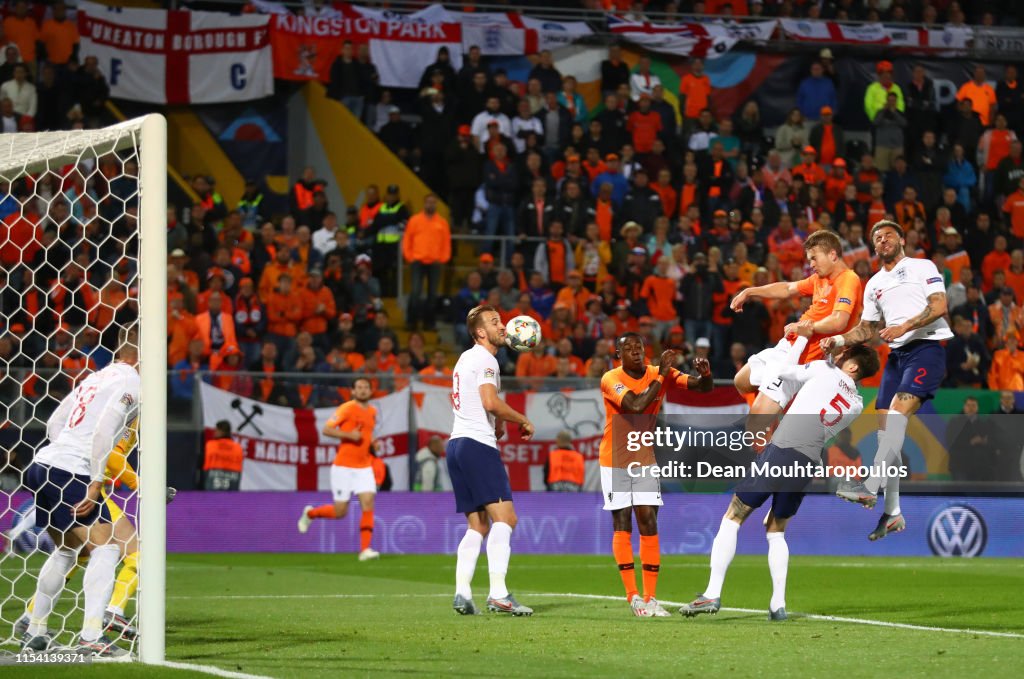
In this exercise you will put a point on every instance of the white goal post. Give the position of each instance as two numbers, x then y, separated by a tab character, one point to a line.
25	156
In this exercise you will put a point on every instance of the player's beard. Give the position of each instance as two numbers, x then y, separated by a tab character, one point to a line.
495	339
897	252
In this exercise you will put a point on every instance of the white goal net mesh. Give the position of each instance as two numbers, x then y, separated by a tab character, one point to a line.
69	289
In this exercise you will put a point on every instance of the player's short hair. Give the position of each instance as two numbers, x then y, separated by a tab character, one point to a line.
362	379
886	223
866	359
224	427
475	318
828	241
622	340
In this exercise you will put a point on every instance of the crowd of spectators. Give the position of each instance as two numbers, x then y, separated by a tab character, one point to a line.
630	215
638	215
44	84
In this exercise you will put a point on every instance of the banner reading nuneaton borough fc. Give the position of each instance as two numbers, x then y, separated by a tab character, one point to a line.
401	48
284	447
178	57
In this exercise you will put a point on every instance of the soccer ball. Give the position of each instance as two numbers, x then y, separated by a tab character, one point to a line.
522	333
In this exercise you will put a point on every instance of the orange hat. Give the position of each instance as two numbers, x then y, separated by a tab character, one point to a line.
465	130
826	110
575	273
839	162
883	66
675	330
612	156
646	320
809	149
486	257
572	159
720	213
749	226
244	281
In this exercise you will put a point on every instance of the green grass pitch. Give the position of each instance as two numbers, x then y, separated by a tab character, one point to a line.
320	615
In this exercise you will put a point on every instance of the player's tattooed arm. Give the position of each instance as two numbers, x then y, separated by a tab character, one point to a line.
936	309
864	331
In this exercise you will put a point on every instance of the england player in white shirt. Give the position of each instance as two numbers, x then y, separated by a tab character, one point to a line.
827	403
67	477
905	305
478	476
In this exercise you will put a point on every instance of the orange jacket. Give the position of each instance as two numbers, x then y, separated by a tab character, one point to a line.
227	326
428	239
181	330
660	294
1007	371
273	271
565	465
995	314
110	300
529	365
313	322
223	454
284	313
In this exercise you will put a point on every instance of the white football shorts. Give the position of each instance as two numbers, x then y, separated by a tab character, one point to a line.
349	481
621	490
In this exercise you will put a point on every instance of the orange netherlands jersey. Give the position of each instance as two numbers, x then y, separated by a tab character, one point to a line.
348	417
614	385
844	293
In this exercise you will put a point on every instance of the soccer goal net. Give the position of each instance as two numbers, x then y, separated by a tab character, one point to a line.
83	253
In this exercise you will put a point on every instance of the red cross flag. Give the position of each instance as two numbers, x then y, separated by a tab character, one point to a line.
178	57
284	448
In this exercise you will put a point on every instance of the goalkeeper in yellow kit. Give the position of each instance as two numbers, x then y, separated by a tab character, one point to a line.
118	471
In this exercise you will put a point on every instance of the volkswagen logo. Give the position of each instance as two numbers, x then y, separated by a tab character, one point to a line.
957	530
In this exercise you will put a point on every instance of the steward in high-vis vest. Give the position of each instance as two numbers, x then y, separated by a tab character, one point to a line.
303	190
249	205
222	463
389	224
564	469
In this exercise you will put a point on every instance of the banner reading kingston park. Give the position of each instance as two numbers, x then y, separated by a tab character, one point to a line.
400	47
179	56
284	447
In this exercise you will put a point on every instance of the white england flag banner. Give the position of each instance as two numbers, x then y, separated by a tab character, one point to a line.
178	56
284	447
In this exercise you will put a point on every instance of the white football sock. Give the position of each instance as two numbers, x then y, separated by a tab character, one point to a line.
778	566
898	424
52	577
465	565
723	549
499	549
24	523
98	583
890	449
795	349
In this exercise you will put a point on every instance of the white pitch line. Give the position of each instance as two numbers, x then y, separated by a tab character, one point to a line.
209	669
606	597
814	616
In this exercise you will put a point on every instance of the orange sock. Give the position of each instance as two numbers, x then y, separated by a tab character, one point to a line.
622	550
749	398
650	562
321	512
365	530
